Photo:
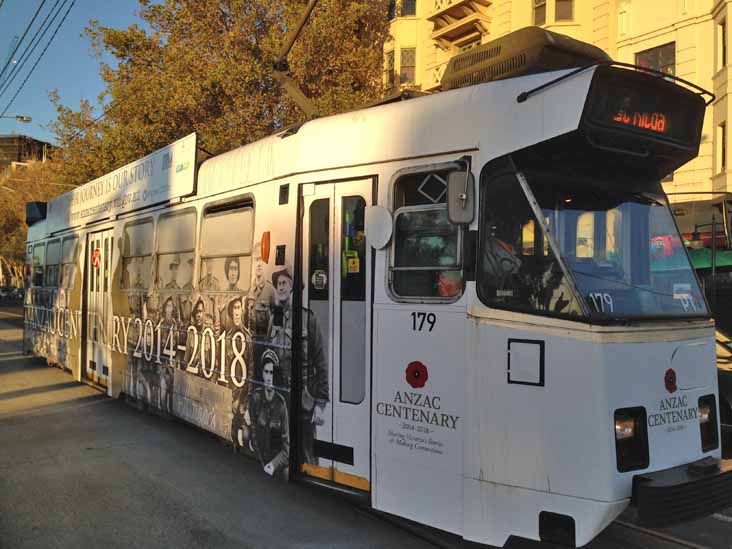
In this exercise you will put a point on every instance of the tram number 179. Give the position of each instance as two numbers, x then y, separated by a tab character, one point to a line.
603	302
419	319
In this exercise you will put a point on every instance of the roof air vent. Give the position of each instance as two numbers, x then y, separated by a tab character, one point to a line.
525	51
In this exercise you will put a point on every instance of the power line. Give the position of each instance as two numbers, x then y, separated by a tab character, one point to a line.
18	68
39	57
2	72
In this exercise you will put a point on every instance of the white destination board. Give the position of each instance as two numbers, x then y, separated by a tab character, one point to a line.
165	174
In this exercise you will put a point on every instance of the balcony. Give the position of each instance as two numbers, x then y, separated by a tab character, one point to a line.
457	22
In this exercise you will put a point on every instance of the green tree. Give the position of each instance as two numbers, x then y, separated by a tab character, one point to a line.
207	67
36	182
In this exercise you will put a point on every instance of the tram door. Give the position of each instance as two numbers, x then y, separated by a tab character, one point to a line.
99	306
337	286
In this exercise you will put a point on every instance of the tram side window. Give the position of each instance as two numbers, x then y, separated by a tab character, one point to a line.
176	245
68	262
514	272
137	256
426	253
53	257
226	249
28	267
39	260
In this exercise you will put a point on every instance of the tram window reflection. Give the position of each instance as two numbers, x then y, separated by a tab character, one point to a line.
620	245
68	262
226	250
514	272
53	256
426	252
39	261
176	245
137	256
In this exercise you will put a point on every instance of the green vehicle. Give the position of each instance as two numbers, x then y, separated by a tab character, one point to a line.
704	221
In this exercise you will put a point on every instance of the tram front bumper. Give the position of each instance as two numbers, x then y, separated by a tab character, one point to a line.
683	493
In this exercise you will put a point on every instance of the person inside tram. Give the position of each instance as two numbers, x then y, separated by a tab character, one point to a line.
449	283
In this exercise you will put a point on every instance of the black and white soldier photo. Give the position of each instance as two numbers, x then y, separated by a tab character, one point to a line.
267	420
314	365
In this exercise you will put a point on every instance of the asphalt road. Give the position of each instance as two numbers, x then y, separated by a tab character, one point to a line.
78	469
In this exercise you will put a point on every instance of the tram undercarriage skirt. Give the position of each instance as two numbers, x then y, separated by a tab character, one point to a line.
683	493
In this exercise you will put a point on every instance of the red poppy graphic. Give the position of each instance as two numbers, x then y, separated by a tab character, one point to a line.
417	374
670	380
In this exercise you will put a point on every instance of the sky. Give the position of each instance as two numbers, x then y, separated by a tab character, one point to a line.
69	65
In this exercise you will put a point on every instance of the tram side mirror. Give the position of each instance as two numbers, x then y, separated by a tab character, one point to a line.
379	226
461	196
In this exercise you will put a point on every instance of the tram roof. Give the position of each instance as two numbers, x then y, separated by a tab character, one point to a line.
484	116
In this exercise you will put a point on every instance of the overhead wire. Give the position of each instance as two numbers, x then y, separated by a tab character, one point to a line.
55	32
25	32
37	38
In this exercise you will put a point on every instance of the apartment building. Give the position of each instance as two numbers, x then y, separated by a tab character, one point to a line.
686	38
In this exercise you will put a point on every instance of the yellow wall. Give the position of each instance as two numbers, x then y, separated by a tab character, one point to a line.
622	28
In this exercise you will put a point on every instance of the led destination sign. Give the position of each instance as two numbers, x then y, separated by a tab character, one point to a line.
653	121
645	105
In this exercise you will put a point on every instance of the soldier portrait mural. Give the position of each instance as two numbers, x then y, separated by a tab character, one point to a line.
219	352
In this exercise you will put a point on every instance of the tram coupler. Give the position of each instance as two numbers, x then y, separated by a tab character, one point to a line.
682	493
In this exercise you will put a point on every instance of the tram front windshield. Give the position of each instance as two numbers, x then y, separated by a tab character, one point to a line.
620	250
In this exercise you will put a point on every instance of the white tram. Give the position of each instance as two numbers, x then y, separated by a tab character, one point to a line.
487	342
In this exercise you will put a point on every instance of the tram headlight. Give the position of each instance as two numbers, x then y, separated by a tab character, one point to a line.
624	427
705	413
708	423
631	439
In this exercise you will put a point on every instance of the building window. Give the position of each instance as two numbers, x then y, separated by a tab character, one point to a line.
390	76
406	8
722	44
564	10
470	45
539	12
407	67
722	147
426	260
662	58
409	8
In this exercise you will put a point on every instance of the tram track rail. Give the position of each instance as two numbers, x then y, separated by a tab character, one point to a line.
662	539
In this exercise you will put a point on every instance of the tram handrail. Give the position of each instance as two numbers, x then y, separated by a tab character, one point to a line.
523	96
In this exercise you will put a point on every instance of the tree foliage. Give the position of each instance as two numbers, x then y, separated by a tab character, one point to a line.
36	182
207	67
